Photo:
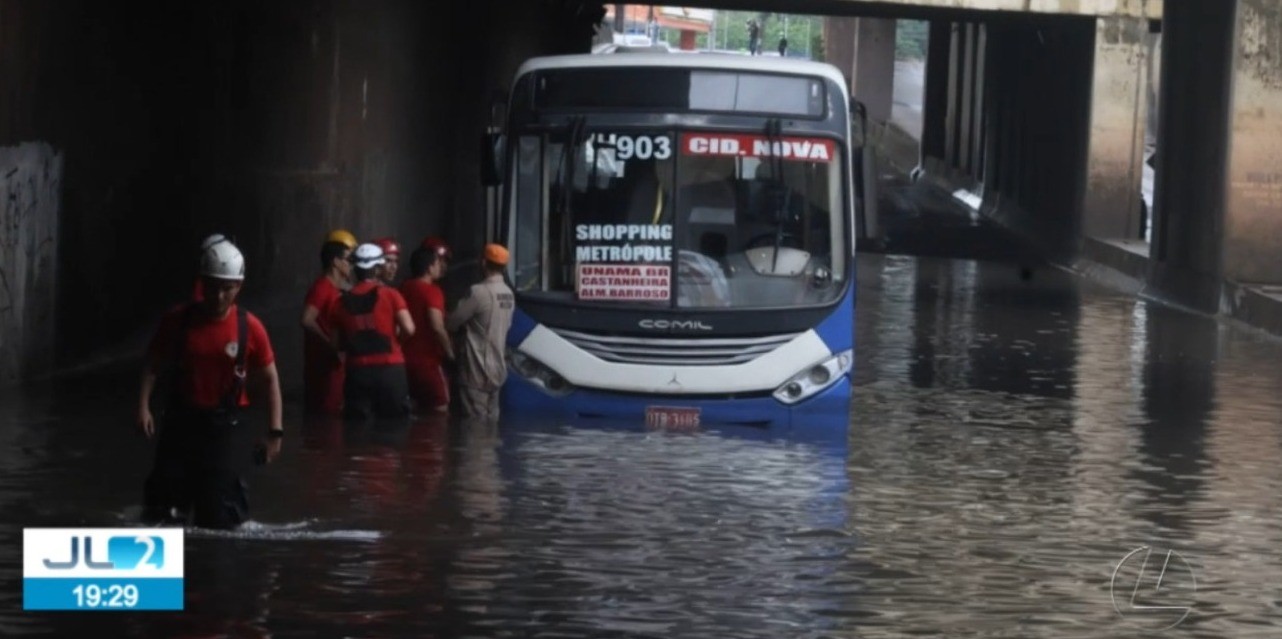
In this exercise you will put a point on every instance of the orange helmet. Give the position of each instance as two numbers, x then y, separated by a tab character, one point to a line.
437	245
389	246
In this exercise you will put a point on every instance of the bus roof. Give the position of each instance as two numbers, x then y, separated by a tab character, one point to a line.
728	61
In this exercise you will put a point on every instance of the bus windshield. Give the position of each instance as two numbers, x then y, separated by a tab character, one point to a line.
680	218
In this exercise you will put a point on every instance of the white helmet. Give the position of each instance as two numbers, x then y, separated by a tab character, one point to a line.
222	260
212	240
368	256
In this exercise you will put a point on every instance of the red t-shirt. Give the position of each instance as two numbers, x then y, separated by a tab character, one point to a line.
421	297
321	296
381	319
208	353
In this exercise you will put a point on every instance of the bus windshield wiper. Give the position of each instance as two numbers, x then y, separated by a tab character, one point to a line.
780	194
568	154
565	180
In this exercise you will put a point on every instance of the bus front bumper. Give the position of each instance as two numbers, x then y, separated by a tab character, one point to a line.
825	413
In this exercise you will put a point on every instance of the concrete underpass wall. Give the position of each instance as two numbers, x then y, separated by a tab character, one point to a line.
274	122
1007	113
1119	115
1254	225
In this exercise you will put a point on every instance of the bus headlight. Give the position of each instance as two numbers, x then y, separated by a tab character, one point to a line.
815	378
538	373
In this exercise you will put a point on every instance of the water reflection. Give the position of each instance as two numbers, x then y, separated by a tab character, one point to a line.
1179	395
1011	441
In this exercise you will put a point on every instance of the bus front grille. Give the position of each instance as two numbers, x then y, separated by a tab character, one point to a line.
675	351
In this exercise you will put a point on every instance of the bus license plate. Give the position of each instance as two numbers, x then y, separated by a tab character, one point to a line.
671	417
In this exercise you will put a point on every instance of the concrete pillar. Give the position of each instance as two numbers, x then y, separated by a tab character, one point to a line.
934	130
873	68
965	97
1193	129
839	45
1118	113
1253	220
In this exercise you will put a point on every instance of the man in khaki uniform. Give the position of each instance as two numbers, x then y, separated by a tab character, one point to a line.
485	315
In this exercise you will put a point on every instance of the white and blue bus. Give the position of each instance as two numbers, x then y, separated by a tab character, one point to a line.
682	231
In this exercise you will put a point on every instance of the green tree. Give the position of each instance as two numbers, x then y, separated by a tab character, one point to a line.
911	37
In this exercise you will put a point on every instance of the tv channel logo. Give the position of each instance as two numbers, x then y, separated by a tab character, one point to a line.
90	568
123	553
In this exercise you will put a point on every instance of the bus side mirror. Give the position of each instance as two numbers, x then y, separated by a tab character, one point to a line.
492	158
492	143
858	124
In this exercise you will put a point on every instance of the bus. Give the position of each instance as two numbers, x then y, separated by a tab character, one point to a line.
682	234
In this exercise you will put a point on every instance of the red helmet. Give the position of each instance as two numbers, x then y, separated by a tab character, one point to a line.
389	246
437	245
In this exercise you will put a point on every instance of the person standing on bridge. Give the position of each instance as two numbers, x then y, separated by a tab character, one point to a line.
322	363
486	316
371	321
207	351
754	37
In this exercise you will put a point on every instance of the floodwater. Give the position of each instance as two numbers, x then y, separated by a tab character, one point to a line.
1013	440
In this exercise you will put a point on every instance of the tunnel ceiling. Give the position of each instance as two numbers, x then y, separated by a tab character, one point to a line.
1149	9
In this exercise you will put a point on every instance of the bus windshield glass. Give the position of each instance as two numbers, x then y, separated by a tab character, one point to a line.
679	218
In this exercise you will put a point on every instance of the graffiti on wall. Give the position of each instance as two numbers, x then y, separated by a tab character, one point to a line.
30	185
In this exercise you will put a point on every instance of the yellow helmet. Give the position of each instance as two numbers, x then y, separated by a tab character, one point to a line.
342	236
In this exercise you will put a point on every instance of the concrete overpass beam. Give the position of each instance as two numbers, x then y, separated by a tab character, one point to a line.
953	122
1034	125
1118	113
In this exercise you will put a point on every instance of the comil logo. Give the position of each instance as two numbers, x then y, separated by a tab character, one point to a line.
685	325
102	568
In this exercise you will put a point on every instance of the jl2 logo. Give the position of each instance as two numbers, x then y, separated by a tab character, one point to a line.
123	553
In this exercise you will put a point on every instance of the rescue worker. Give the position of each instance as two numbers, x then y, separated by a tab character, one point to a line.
430	346
437	244
322	363
485	315
392	259
198	289
208	349
370	321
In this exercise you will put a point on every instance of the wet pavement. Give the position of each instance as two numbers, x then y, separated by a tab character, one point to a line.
1015	435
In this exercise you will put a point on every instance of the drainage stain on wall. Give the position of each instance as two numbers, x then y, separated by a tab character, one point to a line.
30	184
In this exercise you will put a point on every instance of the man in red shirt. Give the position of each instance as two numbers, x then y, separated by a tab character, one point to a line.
391	259
322	363
370	321
430	346
209	348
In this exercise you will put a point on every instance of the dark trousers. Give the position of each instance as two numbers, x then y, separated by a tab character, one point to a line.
380	391
197	471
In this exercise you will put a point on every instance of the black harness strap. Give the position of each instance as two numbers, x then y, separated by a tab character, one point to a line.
231	401
366	339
